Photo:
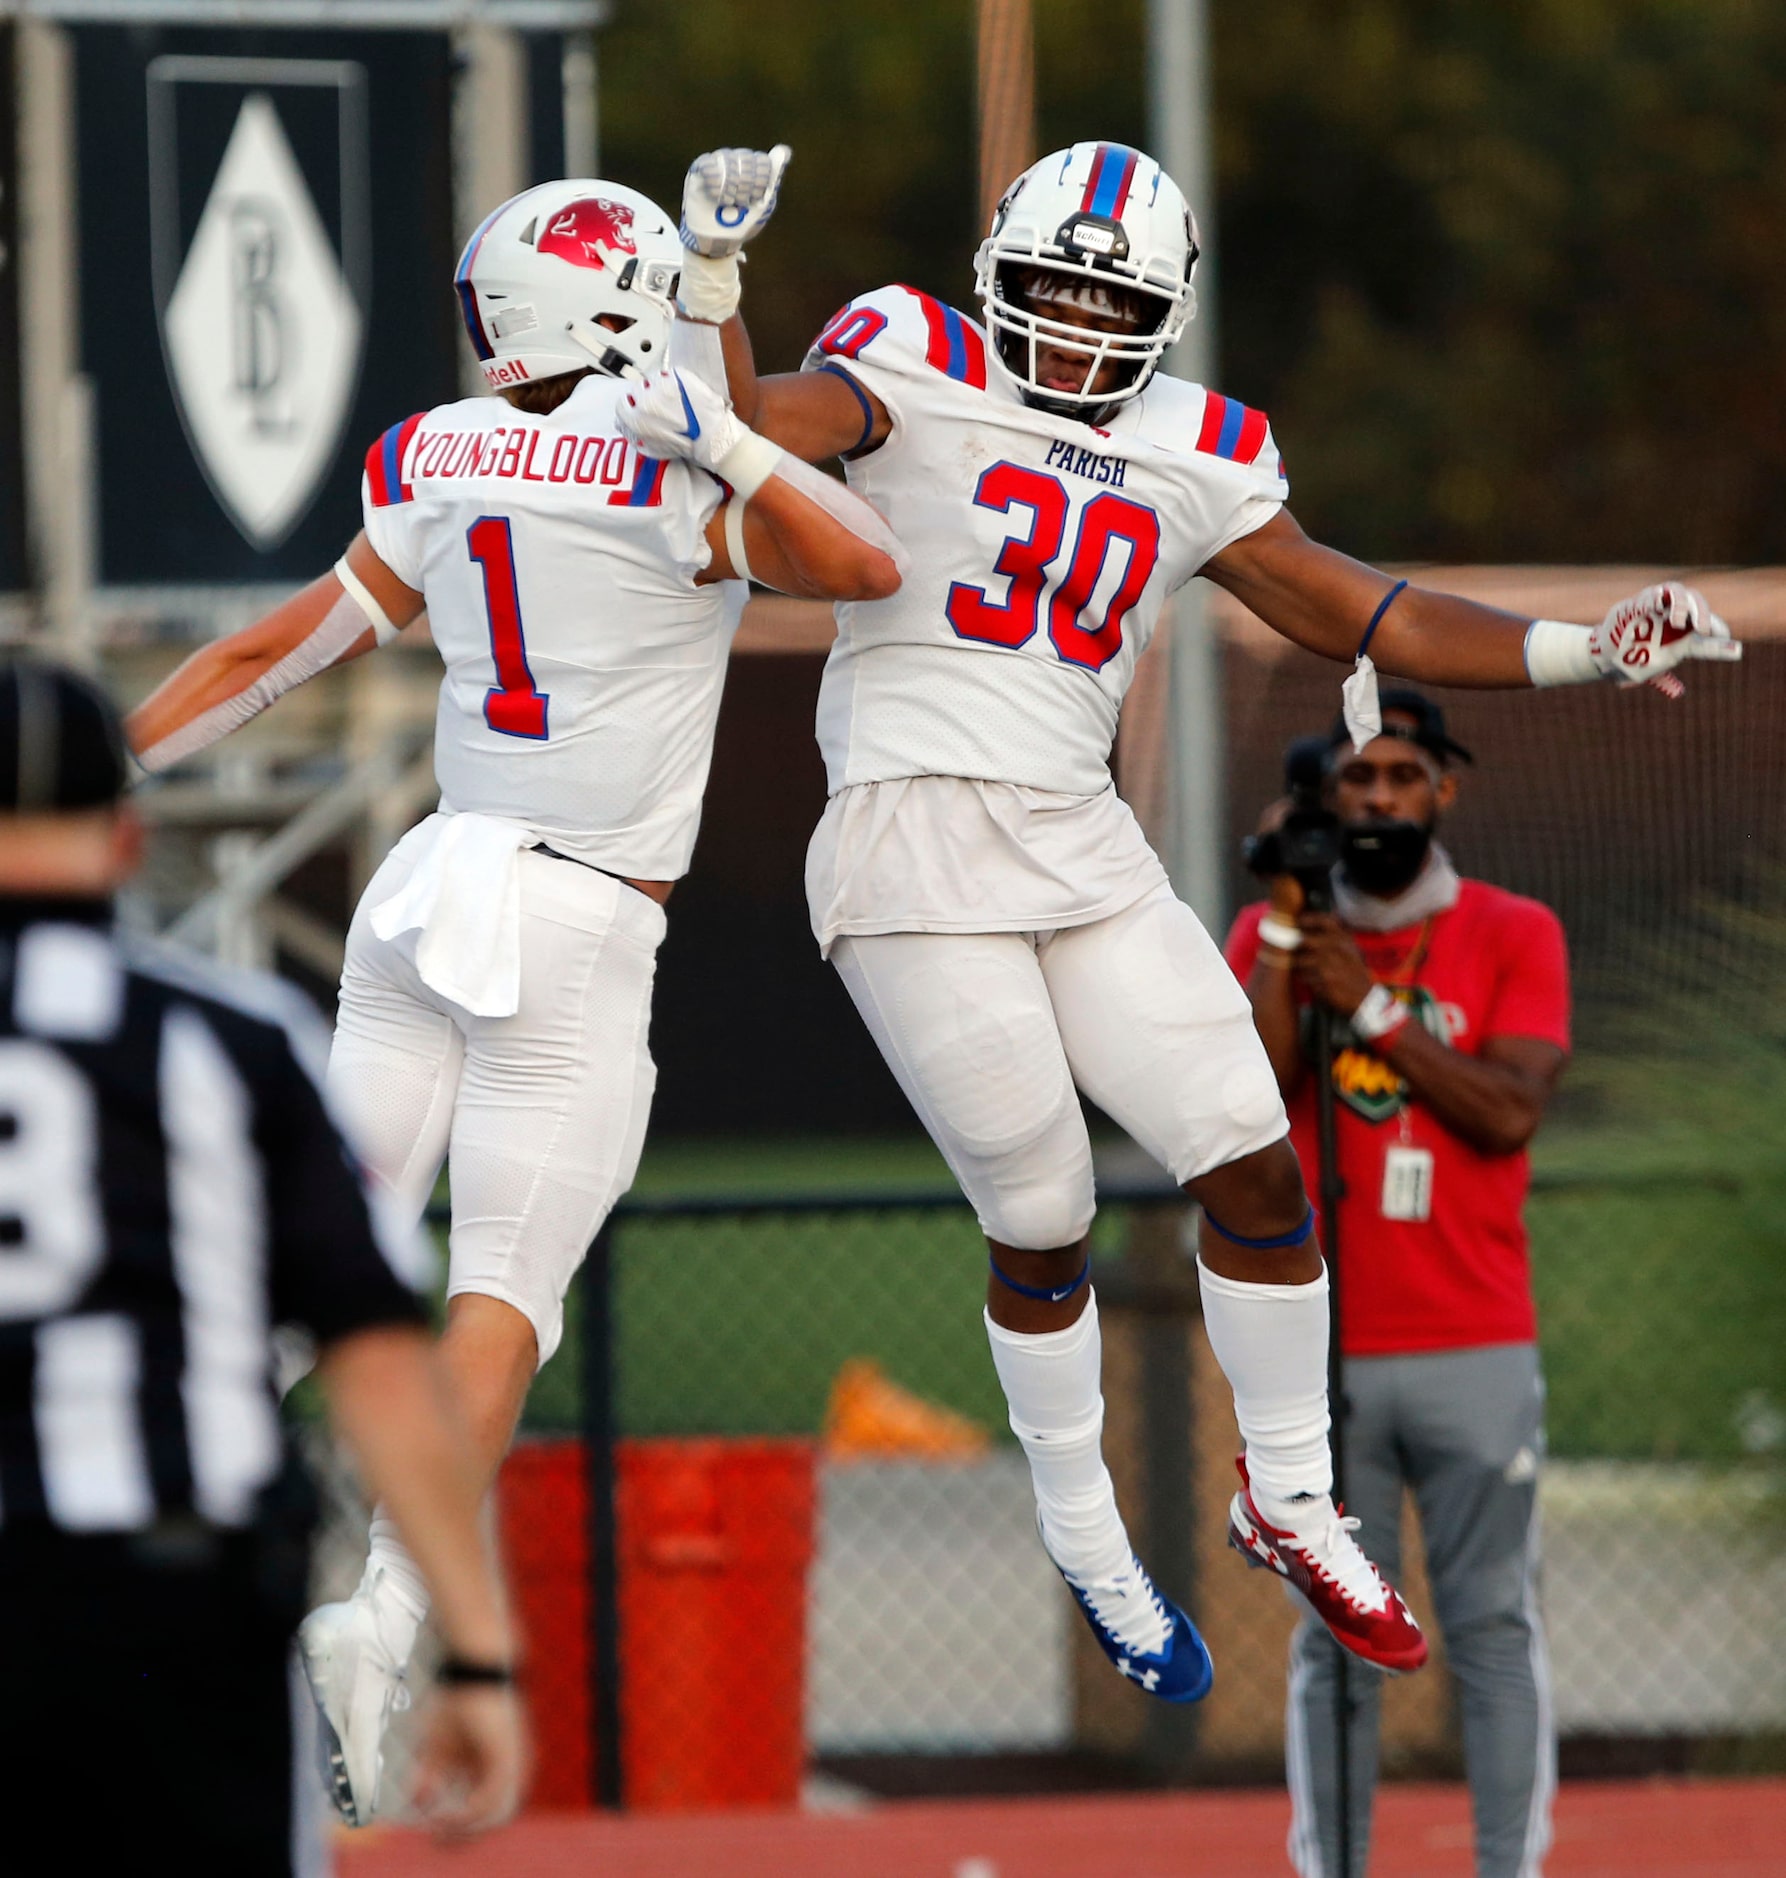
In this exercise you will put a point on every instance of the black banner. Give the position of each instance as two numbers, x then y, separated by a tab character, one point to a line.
266	256
12	465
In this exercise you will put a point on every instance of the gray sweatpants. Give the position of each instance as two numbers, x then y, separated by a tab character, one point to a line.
1464	1429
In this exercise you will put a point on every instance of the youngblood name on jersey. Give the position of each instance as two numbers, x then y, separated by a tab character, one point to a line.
583	663
511	453
1043	549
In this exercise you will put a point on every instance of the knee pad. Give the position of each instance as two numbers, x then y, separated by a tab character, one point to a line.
1034	1209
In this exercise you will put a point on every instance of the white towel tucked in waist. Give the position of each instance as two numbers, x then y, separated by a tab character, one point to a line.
463	896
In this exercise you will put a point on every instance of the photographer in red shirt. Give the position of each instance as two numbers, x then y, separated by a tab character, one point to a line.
1453	1004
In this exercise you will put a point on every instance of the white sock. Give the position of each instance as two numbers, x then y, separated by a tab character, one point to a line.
1052	1382
393	1586
1271	1341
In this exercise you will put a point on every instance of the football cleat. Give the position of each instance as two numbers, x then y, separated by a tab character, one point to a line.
1323	1561
357	1686
1179	1670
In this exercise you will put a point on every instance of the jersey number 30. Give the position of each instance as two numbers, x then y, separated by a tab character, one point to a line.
514	705
1026	558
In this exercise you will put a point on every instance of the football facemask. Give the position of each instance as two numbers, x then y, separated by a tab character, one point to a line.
1103	229
568	276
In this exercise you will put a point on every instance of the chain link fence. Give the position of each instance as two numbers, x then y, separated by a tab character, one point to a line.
823	1571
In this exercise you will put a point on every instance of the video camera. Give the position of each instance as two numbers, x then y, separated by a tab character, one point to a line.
1306	843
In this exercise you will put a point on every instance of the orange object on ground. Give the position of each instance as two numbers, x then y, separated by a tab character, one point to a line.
870	1417
715	1538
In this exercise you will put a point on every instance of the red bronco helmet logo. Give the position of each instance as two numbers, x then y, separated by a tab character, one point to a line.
587	232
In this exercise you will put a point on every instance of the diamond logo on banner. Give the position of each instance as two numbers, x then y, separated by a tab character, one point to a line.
263	333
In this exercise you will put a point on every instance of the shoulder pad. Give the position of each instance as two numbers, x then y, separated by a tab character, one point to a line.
900	329
385	461
1231	429
1188	419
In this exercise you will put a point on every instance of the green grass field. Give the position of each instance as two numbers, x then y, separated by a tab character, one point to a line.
1662	1299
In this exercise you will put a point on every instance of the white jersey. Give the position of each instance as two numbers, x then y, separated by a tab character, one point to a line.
1042	549
583	664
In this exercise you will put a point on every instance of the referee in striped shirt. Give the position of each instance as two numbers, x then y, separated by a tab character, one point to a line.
172	1188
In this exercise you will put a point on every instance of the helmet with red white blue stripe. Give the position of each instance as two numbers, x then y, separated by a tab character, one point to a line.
1104	229
568	276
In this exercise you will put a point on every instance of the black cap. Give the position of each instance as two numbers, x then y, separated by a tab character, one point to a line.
1427	730
61	741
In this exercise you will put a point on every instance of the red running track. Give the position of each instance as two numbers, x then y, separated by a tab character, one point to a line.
1612	1829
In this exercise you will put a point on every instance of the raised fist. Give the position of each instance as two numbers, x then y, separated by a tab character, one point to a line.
1643	639
728	197
676	414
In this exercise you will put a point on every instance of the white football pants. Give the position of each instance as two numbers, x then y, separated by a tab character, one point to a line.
988	1033
542	1114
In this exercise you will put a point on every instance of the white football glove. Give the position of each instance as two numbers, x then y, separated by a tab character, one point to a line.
729	196
1644	638
678	415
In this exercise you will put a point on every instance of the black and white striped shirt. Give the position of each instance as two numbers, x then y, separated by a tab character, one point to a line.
171	1187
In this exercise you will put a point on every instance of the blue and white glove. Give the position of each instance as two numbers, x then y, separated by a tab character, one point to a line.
1639	642
676	414
728	196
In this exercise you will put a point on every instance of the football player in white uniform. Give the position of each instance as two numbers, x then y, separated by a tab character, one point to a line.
990	902
580	542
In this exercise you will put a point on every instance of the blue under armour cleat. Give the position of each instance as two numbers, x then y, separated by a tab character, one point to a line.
1180	1669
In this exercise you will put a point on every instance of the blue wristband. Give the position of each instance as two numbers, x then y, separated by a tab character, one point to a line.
1383	606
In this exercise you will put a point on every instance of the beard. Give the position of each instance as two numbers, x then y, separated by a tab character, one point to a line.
1385	858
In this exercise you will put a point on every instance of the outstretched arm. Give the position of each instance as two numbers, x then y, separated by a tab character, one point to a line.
1325	601
235	678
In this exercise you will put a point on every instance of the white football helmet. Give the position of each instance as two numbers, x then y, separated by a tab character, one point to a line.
1097	217
542	270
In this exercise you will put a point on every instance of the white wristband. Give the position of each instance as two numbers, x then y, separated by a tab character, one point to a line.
1278	934
1380	1014
735	539
750	462
383	630
709	289
1559	654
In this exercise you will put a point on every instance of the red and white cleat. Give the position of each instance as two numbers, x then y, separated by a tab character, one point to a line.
1323	1561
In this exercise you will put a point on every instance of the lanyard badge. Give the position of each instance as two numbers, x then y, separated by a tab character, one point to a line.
1408	1183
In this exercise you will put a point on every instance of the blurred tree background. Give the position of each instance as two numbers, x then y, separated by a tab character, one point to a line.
1509	275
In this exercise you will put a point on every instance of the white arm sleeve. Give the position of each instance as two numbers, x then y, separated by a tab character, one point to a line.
344	623
842	504
838	502
753	461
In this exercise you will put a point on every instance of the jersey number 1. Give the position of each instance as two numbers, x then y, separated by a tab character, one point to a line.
1024	560
513	705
